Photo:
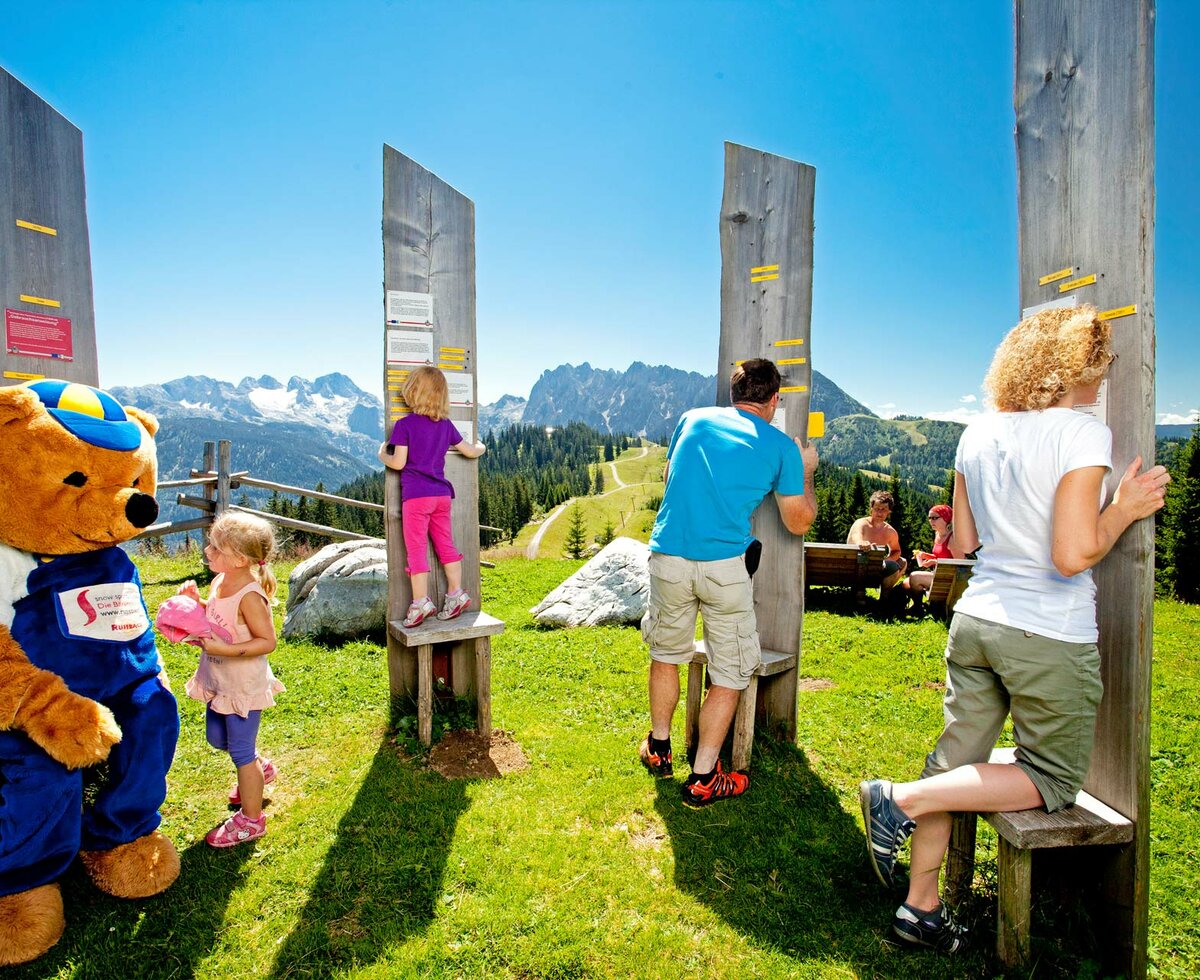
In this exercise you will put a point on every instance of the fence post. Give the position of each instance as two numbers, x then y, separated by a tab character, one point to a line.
223	469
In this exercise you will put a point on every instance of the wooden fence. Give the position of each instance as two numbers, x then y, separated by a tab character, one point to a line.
216	481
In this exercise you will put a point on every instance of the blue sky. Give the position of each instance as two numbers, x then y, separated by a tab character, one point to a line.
233	155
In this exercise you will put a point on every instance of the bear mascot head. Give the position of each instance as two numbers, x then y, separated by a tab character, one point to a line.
87	725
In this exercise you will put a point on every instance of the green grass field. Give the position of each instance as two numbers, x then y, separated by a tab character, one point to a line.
582	865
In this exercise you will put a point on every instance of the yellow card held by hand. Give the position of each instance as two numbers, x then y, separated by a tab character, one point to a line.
816	425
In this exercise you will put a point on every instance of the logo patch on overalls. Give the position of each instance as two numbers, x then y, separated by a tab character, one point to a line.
103	612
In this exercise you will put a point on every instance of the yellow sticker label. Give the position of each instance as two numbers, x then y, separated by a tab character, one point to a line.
1055	276
454	357
792	360
1119	312
1066	287
40	300
789	389
453	350
763	268
816	425
22	376
32	227
774	275
450	367
788	343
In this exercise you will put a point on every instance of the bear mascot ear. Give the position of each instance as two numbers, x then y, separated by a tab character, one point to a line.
18	402
149	422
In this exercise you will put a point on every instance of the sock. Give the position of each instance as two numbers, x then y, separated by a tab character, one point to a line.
660	747
455	592
929	915
703	777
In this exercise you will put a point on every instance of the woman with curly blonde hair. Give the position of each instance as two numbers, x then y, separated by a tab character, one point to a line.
1029	496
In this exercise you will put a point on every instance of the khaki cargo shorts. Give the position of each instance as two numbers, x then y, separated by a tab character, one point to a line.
1052	689
721	592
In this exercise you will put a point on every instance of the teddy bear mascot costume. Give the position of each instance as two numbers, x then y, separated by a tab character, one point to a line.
80	678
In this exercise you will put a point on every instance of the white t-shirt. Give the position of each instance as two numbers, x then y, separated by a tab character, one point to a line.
1012	463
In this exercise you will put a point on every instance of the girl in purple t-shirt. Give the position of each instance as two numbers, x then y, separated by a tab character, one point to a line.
417	448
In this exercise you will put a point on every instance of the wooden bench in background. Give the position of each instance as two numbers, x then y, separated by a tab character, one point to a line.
949	583
1088	822
772	668
845	565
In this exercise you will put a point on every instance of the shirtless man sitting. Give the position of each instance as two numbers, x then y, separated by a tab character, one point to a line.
873	531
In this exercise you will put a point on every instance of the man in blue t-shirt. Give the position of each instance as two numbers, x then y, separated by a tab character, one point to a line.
721	464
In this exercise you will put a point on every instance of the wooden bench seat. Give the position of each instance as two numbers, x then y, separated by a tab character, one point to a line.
1089	822
474	628
772	664
950	580
845	565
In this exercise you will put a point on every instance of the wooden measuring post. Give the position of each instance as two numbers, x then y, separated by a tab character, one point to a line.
1084	98
45	261
429	312
766	311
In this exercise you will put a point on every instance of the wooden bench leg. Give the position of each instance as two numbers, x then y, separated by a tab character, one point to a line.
425	694
1012	919
691	717
483	686
960	859
743	726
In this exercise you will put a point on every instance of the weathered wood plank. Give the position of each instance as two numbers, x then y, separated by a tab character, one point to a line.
960	858
1014	885
483	686
42	183
468	626
767	221
1084	100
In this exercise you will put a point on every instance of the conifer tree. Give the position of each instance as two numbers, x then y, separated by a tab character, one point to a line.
1182	524
598	485
576	541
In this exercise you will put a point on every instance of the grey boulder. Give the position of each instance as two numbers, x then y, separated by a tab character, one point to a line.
341	591
612	588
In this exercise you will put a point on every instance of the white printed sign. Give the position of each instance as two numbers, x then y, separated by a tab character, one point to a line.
113	611
415	309
410	347
461	387
466	429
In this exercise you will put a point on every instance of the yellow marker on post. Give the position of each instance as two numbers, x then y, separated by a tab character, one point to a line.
1066	287
816	425
761	273
30	226
22	376
792	360
40	300
1119	312
792	389
788	343
1055	276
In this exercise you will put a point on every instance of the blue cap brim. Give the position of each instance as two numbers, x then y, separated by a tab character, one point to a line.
107	434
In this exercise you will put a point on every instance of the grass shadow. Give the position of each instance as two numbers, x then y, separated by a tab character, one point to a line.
382	875
167	935
786	865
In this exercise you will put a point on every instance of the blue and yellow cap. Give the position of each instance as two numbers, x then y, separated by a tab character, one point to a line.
89	414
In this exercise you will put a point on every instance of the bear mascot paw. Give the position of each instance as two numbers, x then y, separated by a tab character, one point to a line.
88	726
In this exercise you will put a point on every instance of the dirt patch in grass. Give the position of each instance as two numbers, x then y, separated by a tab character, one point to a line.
815	684
464	755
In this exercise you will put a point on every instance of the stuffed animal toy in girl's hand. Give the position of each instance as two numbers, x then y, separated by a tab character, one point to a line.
80	682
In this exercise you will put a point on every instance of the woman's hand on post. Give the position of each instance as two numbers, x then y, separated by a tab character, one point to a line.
1141	494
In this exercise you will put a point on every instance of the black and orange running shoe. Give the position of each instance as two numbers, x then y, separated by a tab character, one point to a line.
659	763
717	785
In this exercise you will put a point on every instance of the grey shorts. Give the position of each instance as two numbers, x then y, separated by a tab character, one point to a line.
1052	689
721	592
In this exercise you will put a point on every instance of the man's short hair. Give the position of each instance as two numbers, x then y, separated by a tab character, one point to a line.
754	381
883	497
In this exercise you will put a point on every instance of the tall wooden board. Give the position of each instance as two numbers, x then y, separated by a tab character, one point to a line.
45	260
766	232
429	248
1084	100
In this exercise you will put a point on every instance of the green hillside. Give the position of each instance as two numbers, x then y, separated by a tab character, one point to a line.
921	449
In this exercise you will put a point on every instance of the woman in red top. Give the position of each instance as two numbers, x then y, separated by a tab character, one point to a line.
919	582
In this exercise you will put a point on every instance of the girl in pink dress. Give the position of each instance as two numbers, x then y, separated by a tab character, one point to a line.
233	677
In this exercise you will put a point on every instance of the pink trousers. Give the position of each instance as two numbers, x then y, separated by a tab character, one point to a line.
423	517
